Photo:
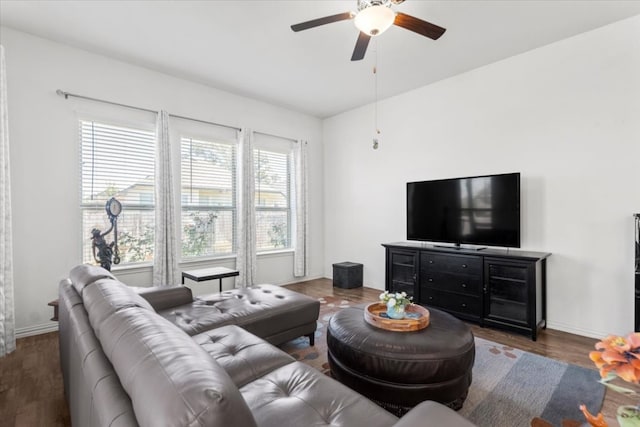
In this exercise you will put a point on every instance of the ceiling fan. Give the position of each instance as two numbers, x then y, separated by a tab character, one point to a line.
372	19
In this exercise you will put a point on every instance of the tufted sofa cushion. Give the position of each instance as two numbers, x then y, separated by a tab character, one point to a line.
264	310
244	356
298	395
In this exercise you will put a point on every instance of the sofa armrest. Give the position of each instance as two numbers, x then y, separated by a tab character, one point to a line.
431	413
164	297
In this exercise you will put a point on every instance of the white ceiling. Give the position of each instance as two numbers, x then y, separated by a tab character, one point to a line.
247	47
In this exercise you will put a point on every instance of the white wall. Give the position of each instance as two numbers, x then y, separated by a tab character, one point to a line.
567	116
45	162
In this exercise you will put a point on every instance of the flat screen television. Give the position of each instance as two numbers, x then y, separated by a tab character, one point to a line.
479	210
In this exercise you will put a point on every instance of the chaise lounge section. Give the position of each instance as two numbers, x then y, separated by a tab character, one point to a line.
270	312
124	365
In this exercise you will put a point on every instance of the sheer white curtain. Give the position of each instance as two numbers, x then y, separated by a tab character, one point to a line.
7	321
246	244
165	259
300	261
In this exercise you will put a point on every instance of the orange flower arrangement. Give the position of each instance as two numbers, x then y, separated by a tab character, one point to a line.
617	356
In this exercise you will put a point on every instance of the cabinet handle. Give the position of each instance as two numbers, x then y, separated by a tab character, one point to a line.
464	265
430	279
430	261
464	305
430	298
464	285
415	278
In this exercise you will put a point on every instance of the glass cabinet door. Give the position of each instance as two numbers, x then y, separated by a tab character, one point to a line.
403	272
506	292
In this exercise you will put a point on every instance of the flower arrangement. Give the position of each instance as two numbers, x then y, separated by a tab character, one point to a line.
398	300
618	357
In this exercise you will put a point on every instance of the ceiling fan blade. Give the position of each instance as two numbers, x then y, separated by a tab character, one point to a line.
361	46
419	26
322	21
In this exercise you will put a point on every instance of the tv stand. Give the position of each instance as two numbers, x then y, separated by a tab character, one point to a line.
498	288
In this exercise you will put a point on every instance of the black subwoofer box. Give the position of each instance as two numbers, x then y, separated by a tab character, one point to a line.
347	275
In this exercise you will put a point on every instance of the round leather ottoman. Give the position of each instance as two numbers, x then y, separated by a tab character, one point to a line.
398	370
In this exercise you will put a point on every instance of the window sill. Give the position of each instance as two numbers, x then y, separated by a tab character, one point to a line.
277	252
132	268
206	260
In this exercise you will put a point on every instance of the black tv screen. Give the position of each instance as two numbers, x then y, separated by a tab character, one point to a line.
480	210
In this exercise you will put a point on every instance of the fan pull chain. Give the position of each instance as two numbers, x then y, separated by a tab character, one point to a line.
375	102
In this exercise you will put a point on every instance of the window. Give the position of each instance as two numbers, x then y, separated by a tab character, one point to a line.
208	195
273	199
118	162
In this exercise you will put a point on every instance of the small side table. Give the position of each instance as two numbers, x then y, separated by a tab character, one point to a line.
209	274
54	304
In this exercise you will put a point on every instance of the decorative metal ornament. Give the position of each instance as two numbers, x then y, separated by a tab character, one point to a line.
107	253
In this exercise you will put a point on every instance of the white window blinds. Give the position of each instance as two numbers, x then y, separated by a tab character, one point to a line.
208	195
272	199
118	161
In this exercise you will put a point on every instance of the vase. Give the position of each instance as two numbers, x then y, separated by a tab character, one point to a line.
395	312
628	416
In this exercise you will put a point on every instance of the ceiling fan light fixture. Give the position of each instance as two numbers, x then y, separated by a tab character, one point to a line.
374	20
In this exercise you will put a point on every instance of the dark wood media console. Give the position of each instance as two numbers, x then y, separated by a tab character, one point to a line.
499	288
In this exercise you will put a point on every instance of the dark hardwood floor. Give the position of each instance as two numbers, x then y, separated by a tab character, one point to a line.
31	389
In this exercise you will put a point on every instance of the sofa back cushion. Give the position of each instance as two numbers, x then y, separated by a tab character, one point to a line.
171	380
96	397
83	275
106	296
162	298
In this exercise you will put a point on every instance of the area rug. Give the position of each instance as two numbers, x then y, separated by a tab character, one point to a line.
510	387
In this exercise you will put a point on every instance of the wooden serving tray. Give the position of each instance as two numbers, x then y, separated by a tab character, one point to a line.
372	316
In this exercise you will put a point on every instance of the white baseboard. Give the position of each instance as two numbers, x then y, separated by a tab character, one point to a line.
575	331
36	329
302	280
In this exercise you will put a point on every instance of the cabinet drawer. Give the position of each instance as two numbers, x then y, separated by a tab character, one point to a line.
465	284
456	264
464	304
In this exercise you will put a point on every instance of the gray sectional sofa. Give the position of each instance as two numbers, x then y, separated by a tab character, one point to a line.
124	364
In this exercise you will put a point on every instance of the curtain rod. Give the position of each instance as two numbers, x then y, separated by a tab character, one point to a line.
73	95
104	101
277	136
203	121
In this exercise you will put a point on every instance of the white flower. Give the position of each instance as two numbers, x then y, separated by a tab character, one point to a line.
383	295
392	302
